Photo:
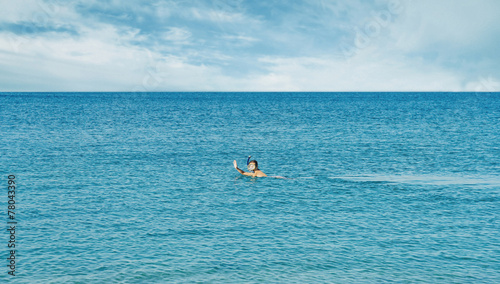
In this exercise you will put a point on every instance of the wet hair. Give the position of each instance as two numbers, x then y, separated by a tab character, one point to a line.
256	164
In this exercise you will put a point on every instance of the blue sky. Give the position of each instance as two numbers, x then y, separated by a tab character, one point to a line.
239	45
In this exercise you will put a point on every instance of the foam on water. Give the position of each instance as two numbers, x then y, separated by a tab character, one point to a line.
482	181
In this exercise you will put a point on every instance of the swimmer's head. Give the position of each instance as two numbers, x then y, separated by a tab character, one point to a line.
253	165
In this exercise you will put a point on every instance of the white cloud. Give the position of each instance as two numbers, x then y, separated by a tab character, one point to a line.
108	57
484	84
11	12
364	72
98	59
450	24
240	38
178	35
217	16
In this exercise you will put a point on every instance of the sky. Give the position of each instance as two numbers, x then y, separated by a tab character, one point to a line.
242	45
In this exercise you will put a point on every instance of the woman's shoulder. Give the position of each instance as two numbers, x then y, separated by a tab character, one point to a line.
260	173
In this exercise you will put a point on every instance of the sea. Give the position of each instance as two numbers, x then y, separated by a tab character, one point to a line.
141	188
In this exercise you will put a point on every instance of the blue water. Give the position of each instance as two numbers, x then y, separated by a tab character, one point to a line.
140	188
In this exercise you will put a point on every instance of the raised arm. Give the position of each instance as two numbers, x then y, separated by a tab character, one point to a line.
240	170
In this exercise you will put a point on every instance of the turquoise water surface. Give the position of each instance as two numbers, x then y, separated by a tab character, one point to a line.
140	188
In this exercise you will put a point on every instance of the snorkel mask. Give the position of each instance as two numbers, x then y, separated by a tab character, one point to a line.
250	166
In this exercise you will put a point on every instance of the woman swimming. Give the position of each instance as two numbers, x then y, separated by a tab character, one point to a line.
253	166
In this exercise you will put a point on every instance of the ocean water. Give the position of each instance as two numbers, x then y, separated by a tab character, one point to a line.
140	188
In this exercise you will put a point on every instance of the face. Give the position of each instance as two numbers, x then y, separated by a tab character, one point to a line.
251	166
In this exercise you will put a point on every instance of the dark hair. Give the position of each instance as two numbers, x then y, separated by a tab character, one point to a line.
254	161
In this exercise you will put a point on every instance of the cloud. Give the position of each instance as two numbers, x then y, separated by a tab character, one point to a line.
384	45
11	12
362	73
217	16
456	25
27	28
67	64
178	35
365	72
50	55
488	84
